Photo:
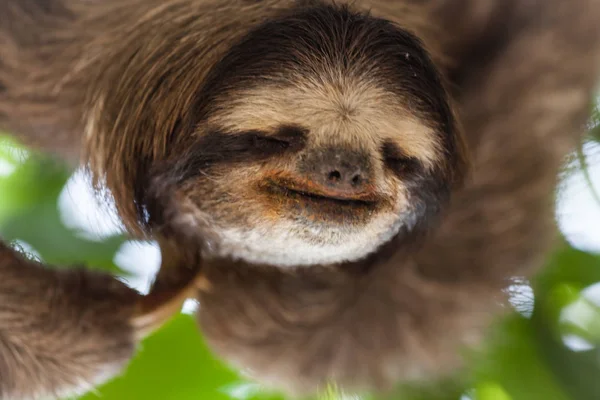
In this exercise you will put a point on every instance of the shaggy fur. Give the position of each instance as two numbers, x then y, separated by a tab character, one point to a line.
61	329
199	116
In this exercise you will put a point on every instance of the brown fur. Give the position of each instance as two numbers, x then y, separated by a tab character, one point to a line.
118	83
61	329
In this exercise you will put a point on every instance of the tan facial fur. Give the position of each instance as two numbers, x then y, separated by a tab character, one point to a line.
354	114
354	111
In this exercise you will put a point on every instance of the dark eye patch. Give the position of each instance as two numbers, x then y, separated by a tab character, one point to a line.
257	145
253	145
397	161
260	143
222	148
287	137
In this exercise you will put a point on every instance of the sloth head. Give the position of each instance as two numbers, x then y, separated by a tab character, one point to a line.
317	137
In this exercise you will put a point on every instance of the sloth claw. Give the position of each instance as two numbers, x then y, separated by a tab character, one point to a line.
158	307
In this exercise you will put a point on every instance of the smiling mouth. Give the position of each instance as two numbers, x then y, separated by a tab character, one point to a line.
320	197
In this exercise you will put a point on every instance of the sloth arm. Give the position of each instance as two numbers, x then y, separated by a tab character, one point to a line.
523	76
60	329
523	105
65	330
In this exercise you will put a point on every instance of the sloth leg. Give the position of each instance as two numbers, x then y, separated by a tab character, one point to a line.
62	331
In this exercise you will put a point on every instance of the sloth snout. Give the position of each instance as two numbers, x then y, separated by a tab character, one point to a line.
342	171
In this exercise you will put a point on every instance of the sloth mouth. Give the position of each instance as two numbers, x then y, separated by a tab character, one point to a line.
316	197
320	200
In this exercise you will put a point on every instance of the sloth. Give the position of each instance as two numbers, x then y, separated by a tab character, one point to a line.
345	188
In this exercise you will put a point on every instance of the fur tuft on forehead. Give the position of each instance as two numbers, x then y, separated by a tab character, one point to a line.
331	44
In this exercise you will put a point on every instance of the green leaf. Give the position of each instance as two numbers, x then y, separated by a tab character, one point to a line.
174	363
29	212
491	391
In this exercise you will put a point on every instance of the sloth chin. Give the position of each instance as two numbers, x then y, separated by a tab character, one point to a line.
298	247
314	226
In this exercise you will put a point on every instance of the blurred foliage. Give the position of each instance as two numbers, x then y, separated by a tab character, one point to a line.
525	358
595	125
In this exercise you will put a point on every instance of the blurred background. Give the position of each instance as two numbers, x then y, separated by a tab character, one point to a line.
546	348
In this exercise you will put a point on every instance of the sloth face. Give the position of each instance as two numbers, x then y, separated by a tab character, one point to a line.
324	175
321	136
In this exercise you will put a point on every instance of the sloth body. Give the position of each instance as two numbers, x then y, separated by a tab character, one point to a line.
303	166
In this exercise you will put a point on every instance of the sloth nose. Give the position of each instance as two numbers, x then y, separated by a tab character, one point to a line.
342	176
339	171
